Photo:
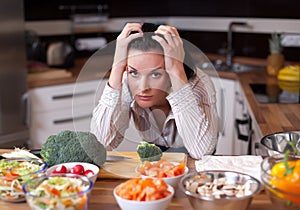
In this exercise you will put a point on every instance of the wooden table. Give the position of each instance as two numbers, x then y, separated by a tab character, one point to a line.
102	197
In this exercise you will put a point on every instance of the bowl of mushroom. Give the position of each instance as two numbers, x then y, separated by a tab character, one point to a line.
219	190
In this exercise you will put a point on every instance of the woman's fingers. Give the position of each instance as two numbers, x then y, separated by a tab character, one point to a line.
130	27
163	29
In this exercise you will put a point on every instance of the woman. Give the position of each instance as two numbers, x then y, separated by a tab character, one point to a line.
171	105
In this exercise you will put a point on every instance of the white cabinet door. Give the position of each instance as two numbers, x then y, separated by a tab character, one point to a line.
225	94
62	107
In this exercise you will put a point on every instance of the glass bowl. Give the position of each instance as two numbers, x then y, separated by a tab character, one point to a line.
14	172
283	191
58	191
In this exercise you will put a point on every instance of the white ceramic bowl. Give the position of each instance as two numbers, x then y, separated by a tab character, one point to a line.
70	165
160	204
173	181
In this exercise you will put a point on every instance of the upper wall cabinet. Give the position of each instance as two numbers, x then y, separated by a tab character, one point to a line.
52	10
62	9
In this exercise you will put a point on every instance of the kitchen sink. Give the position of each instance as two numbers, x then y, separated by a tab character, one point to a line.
236	67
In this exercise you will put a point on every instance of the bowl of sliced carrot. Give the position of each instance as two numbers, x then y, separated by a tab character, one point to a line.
146	194
170	172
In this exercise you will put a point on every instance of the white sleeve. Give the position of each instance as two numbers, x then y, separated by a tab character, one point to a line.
111	117
194	109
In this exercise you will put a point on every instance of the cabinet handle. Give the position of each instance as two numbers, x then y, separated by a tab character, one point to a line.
71	119
239	122
71	95
25	110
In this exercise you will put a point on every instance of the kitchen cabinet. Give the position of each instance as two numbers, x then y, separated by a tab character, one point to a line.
225	95
239	131
62	107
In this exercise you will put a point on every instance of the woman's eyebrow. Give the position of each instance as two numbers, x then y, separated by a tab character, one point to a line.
155	69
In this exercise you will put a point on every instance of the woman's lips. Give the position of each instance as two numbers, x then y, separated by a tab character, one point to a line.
143	97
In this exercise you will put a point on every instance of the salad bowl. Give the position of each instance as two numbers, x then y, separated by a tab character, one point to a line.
14	172
58	191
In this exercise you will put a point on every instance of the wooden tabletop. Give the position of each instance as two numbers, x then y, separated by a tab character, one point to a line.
102	197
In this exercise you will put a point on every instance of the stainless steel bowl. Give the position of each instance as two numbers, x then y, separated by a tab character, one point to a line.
277	143
201	201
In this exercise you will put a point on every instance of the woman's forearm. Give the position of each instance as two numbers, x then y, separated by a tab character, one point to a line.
110	118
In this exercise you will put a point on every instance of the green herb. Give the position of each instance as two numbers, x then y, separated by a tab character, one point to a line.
295	151
288	170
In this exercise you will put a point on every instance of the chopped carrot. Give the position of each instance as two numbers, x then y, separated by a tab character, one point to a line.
143	189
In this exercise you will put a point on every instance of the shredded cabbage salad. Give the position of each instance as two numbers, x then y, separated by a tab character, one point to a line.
59	193
13	174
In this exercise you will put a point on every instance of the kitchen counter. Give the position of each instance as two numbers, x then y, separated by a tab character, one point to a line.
102	197
270	117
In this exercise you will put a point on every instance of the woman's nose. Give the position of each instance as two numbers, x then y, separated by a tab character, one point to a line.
144	84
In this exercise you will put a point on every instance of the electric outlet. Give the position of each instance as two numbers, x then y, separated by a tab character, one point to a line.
290	40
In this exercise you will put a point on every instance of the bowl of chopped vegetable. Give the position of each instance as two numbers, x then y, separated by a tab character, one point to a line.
14	172
280	175
170	172
58	191
146	194
219	190
86	169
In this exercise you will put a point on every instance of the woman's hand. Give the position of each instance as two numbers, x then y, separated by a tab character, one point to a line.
174	55
120	57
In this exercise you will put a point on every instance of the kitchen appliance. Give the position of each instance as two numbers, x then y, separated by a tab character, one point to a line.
13	83
60	54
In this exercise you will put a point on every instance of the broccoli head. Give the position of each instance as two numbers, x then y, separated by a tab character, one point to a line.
73	146
150	152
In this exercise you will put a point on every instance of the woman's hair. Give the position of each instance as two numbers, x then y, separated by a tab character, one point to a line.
146	43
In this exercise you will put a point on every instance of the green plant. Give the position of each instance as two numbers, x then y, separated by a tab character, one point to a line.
275	43
73	146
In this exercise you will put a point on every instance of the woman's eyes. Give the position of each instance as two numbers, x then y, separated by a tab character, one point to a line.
133	73
153	74
156	74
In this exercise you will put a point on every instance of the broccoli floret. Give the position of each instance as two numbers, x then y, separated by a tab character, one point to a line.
150	152
73	146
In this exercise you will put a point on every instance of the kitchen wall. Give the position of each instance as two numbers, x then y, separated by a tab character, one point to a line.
203	22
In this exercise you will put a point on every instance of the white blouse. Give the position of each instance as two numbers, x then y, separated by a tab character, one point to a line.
192	122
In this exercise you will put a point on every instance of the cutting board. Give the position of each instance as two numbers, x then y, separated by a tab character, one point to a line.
127	168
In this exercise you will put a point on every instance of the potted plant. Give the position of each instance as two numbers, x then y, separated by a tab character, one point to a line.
275	60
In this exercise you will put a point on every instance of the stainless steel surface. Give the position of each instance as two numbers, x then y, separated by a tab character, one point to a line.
277	143
234	67
115	158
13	75
229	51
203	202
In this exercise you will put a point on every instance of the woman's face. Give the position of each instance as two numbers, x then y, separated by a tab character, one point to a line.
147	78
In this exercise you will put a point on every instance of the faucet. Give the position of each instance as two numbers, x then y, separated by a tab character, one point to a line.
229	51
